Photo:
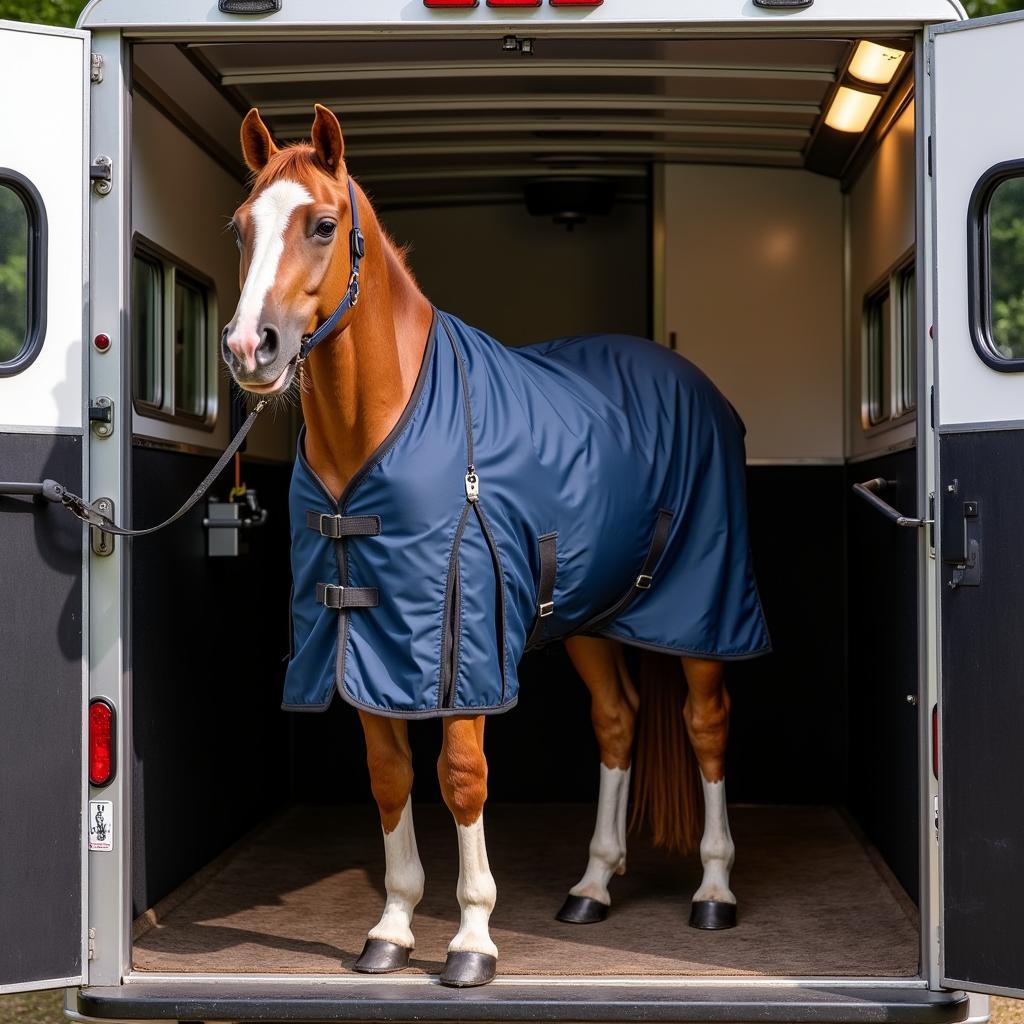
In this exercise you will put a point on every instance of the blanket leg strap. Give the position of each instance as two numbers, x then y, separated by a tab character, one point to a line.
547	546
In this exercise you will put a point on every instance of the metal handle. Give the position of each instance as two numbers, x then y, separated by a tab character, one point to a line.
48	489
868	490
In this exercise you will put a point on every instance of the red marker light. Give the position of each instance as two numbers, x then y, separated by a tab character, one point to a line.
102	742
101	342
449	3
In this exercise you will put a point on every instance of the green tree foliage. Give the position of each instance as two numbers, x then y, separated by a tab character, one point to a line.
1006	266
43	12
982	8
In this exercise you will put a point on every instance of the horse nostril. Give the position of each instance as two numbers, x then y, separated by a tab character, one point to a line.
224	350
266	351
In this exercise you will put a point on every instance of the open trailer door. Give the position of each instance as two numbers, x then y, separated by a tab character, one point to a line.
977	161
43	180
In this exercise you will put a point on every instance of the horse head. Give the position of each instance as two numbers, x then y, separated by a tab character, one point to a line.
292	267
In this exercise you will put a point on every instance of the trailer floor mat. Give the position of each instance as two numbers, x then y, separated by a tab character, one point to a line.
299	896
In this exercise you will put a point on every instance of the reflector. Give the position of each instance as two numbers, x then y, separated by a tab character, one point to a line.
102	749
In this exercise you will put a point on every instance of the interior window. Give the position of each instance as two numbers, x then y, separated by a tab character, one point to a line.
190	346
878	350
172	313
21	269
147	329
1006	268
907	290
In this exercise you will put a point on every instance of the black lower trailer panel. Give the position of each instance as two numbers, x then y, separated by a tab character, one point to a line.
425	1001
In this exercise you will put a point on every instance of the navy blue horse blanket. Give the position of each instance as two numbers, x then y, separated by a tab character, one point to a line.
589	485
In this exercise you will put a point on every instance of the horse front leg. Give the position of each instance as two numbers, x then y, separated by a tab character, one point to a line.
613	706
707	722
462	771
390	941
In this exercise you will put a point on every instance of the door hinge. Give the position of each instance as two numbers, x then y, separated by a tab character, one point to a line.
101	416
92	943
96	65
101	173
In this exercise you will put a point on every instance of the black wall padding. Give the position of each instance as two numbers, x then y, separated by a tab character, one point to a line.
883	657
209	639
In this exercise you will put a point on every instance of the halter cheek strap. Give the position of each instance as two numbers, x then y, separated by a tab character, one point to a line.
357	249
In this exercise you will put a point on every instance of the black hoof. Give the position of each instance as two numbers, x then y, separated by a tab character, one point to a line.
582	910
465	970
382	957
712	915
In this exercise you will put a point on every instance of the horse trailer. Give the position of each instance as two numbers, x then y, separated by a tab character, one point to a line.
819	202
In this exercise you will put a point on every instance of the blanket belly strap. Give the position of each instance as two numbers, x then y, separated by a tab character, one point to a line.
335	527
332	596
548	550
644	580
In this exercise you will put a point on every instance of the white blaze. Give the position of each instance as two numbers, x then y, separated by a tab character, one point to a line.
716	847
608	846
403	881
271	213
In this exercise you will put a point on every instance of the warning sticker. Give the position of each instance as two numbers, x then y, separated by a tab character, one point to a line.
101	825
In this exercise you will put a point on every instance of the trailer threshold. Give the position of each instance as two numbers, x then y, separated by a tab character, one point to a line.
426	1001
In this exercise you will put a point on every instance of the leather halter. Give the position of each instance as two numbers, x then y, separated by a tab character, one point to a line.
357	249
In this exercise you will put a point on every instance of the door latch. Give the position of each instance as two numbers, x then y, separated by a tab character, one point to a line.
102	543
961	538
101	175
101	416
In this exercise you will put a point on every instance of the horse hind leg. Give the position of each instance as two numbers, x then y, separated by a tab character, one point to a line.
390	942
707	721
462	771
602	667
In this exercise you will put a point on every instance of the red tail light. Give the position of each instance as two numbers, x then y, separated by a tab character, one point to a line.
102	742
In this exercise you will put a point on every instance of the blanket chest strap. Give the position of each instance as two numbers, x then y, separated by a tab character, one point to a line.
336	527
333	596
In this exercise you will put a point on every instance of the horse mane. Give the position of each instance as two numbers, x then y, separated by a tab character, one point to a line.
297	161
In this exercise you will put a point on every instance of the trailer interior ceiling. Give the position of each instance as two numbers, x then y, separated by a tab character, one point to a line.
742	231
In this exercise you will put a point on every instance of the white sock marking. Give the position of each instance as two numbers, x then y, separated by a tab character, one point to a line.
476	891
403	881
608	845
717	851
271	213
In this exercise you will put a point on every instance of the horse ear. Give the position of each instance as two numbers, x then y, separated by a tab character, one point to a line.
257	143
328	141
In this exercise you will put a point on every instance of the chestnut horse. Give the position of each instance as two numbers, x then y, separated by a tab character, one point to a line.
296	265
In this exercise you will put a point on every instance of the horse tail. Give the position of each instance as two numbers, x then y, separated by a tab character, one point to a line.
666	783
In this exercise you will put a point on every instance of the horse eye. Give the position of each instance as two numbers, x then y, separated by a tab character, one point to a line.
326	229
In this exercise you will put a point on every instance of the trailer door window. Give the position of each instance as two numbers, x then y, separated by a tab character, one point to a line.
889	380
22	272
878	349
1002	326
173	313
907	349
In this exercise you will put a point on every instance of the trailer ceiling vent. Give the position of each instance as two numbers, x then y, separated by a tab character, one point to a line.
569	201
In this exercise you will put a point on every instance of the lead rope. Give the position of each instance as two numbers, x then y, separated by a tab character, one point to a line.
87	512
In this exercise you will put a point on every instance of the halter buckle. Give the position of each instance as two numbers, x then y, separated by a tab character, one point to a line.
357	244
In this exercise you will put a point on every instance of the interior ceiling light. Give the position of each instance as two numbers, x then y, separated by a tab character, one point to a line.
874	63
851	109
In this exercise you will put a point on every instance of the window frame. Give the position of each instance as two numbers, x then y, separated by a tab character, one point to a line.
167	410
35	271
979	255
890	285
